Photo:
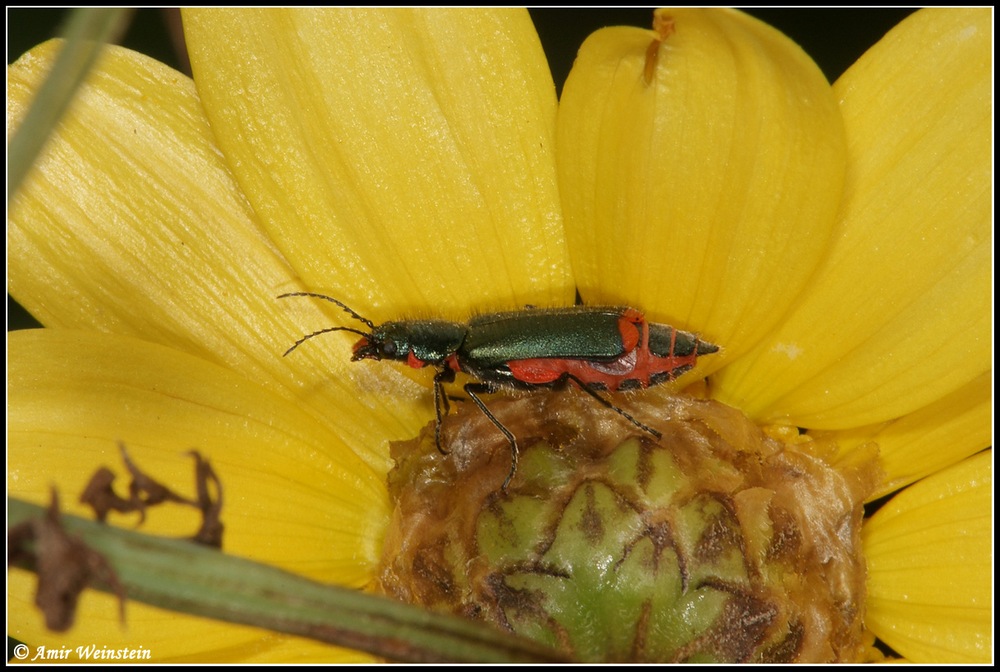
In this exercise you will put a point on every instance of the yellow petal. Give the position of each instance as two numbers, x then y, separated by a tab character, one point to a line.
295	495
399	158
132	224
700	178
901	313
929	557
932	438
129	190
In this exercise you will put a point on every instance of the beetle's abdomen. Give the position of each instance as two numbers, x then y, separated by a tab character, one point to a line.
603	348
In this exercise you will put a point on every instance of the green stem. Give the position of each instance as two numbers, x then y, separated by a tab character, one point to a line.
182	576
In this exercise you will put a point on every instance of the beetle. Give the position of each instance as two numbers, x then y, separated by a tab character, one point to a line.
599	348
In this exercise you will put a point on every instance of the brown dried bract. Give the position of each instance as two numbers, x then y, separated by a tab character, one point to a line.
210	533
145	491
663	25
65	566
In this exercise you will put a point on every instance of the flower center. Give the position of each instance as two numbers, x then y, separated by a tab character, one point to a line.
717	543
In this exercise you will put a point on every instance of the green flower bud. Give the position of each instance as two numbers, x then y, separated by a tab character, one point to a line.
716	543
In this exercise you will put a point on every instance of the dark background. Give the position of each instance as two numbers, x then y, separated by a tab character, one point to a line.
835	38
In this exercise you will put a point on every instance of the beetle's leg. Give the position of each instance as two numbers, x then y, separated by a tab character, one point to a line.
441	405
619	411
482	388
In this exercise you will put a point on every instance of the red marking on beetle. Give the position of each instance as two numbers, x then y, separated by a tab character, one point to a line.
413	362
629	325
359	346
637	367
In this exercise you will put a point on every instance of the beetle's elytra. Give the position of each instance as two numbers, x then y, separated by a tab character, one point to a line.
598	348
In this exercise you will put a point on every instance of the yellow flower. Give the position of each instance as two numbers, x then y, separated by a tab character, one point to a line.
835	241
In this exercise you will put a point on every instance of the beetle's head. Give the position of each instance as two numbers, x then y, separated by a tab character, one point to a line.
419	343
387	341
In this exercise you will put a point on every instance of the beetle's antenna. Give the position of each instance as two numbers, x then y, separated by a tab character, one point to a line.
363	320
324	331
